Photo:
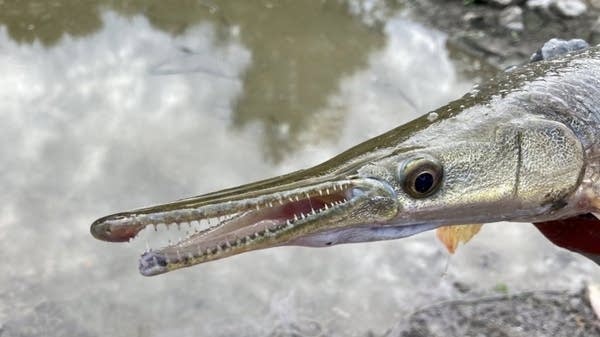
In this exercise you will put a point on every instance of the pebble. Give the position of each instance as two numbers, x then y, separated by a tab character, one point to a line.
474	19
512	18
500	3
539	4
557	47
569	8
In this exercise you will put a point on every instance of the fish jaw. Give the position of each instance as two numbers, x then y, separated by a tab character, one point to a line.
270	218
522	155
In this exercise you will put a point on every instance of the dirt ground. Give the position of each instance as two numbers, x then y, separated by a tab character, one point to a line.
475	27
529	314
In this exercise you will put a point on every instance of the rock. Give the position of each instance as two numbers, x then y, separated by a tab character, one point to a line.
500	3
512	18
569	8
539	4
504	3
557	48
474	20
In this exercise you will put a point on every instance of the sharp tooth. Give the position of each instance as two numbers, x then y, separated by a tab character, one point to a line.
320	192
326	207
257	207
288	222
280	200
327	191
302	216
270	204
296	197
313	211
295	217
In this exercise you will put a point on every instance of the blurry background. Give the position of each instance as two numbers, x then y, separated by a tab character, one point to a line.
112	105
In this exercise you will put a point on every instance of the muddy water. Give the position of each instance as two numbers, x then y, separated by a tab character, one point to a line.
115	105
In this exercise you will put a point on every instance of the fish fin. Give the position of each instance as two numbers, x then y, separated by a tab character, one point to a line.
452	236
580	234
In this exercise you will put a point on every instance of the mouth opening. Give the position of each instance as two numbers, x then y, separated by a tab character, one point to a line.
220	229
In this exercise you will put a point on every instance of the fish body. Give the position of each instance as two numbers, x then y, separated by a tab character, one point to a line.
524	147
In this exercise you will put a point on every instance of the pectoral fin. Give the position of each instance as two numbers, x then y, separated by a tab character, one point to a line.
452	236
580	234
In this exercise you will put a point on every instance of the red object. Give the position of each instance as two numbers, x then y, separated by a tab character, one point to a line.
580	234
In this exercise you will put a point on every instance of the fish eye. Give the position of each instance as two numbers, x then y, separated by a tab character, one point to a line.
421	176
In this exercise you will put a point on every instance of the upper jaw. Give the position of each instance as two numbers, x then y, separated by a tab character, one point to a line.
271	216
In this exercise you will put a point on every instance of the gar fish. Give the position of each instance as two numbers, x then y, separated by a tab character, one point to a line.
523	147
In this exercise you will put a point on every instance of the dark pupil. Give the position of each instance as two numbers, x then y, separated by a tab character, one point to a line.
423	182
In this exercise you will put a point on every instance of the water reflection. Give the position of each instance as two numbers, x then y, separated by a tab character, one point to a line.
48	21
299	49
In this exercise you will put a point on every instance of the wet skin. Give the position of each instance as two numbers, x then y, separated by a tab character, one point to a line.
523	147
